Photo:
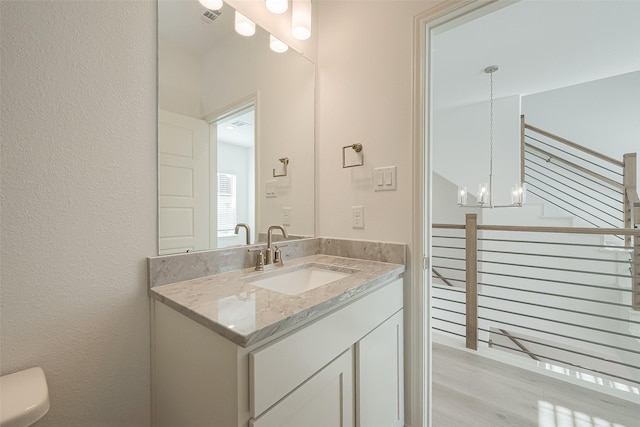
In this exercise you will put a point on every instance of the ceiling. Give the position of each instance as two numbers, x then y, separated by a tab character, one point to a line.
181	23
538	45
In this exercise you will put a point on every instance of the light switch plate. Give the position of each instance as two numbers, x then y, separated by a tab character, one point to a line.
286	216
357	217
271	188
385	178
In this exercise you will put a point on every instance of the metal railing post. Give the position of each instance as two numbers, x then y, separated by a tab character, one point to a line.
471	295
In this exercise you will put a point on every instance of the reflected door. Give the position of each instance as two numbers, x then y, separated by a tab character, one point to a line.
183	183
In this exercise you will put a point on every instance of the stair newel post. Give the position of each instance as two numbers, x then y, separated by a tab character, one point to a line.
629	181
471	239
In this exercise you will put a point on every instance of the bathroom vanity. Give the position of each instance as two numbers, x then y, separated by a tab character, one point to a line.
236	349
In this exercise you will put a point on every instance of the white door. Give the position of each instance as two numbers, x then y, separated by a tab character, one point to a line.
183	183
326	399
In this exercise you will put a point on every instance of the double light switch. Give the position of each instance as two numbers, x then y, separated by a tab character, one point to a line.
384	179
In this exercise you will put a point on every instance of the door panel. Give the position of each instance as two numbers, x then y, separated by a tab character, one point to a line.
183	183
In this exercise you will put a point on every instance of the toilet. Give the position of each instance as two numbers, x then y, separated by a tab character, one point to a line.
24	398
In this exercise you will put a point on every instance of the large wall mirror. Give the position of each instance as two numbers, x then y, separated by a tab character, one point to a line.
235	132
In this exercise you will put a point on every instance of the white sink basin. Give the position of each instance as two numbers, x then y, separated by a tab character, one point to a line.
300	278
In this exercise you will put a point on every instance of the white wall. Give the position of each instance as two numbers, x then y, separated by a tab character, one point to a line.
603	115
79	203
365	56
461	146
180	81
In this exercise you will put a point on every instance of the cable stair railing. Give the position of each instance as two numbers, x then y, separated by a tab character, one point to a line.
553	294
597	189
557	295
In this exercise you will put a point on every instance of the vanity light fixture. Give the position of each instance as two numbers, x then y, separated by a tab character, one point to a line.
277	45
212	4
485	191
301	19
244	26
277	6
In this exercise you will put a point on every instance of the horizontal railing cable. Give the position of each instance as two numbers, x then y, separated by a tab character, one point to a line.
556	321
576	146
447	332
604	359
551	294
617	191
562	282
617	261
549	332
605	184
569	204
572	167
568	270
542	242
568	363
585	313
572	155
557	205
575	190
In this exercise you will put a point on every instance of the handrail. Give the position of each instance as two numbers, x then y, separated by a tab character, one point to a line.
574	145
519	344
544	229
441	277
568	156
578	167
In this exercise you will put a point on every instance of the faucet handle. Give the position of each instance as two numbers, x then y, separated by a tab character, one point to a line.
277	255
259	259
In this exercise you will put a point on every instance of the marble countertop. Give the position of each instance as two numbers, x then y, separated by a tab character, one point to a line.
245	314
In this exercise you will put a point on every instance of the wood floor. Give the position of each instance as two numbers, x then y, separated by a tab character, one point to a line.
473	391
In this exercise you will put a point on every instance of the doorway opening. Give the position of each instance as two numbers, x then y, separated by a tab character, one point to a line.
235	144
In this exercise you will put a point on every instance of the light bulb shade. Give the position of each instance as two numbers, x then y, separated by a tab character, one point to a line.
301	19
519	194
244	26
462	196
277	45
483	194
277	6
212	4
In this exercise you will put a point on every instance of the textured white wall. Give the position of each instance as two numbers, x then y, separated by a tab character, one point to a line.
79	203
365	78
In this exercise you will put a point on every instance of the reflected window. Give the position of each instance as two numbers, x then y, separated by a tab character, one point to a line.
227	204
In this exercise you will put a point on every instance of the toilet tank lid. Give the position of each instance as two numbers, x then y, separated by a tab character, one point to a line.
24	398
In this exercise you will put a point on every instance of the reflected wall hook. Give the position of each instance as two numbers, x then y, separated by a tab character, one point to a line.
285	162
357	147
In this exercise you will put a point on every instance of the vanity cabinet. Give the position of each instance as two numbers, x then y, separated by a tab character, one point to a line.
343	369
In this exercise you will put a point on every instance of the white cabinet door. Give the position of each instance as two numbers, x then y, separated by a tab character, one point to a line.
380	376
325	400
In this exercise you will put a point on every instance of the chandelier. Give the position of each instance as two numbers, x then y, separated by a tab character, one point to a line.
485	190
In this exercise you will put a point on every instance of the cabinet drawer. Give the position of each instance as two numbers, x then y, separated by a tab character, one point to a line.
325	400
278	368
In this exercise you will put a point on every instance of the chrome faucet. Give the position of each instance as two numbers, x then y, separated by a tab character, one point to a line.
246	227
269	252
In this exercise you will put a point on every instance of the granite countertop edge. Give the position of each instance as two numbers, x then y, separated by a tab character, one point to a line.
289	323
